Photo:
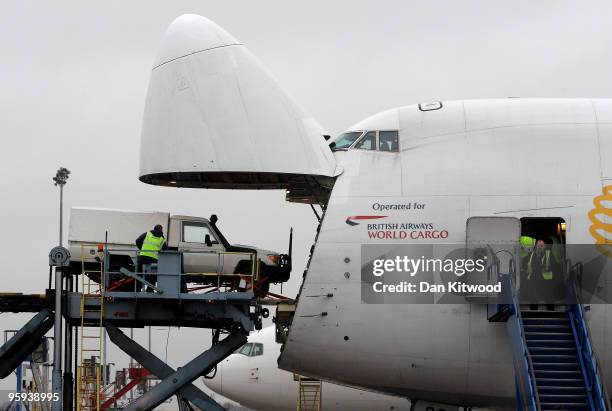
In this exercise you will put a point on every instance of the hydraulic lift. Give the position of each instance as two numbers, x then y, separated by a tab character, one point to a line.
231	313
24	342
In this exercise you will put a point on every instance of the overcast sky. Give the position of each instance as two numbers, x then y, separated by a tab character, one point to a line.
73	79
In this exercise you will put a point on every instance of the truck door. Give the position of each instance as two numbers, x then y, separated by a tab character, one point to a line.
199	257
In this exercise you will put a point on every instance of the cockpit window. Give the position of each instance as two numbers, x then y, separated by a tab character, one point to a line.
345	140
246	349
388	141
257	350
251	349
367	142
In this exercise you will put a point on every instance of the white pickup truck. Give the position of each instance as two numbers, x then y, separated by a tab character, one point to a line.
205	249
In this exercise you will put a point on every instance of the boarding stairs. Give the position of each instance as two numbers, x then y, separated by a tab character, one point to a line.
554	362
560	380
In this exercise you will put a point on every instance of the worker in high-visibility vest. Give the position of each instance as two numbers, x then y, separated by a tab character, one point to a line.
526	246
539	262
527	289
149	244
541	266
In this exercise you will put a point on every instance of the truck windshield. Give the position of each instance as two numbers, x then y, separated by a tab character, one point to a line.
345	140
196	232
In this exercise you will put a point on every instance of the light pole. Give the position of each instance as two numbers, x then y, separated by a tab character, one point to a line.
60	180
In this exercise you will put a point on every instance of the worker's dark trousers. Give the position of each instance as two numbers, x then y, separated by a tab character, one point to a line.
545	292
141	262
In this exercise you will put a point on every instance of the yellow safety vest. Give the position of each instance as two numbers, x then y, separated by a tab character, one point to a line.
547	273
151	245
526	246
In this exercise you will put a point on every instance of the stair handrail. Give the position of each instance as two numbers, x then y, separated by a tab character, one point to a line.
525	373
589	361
503	304
527	370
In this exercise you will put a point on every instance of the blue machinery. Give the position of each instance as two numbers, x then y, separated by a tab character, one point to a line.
231	312
554	362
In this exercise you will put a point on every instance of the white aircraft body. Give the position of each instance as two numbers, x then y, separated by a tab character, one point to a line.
512	158
214	118
252	378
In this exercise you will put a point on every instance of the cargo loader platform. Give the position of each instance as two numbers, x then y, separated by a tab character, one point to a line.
163	300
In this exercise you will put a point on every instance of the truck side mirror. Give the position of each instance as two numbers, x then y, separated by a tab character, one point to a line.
207	240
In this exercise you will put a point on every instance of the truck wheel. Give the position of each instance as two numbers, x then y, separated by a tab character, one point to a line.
243	267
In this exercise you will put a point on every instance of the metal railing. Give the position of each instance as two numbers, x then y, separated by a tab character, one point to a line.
499	306
523	365
589	362
503	307
229	270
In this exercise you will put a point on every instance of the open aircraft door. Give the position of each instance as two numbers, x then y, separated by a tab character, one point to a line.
215	118
497	238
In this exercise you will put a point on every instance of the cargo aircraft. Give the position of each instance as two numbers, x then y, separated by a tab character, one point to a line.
434	173
251	377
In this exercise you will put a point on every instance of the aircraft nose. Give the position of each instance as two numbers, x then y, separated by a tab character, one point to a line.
189	34
216	382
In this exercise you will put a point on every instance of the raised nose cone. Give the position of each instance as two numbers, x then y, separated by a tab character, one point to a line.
190	34
215	118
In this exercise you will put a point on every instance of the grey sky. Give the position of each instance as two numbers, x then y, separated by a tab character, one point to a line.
73	78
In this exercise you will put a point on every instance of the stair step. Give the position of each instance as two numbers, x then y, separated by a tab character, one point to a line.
548	328
535	322
567	351
560	390
559	374
543	314
551	366
563	406
565	398
548	335
560	382
551	343
554	358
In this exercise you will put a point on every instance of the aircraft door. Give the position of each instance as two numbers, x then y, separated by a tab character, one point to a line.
497	238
